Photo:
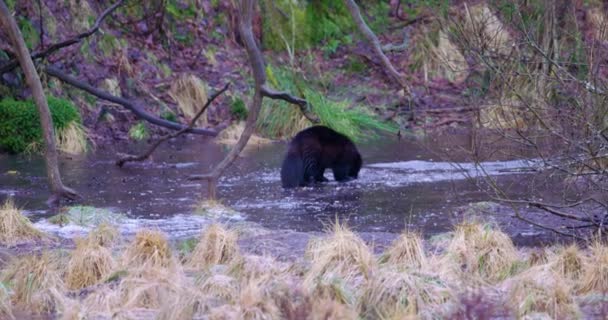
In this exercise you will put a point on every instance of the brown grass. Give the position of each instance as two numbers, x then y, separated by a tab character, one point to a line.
217	245
540	289
15	228
479	253
190	92
231	135
89	264
595	271
104	235
72	139
568	263
5	303
35	282
149	249
406	251
342	255
392	293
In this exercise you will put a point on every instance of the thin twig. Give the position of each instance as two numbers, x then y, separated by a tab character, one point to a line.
12	64
131	158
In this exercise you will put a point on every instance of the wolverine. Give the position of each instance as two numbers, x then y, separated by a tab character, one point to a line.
315	149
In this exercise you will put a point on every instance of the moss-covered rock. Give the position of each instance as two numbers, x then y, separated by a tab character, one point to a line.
20	123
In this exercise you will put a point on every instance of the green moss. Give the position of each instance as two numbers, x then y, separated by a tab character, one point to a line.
168	115
238	109
29	32
20	122
138	131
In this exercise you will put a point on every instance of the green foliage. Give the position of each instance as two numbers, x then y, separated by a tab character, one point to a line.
355	65
357	123
20	123
29	32
139	131
300	24
10	4
281	119
238	108
168	115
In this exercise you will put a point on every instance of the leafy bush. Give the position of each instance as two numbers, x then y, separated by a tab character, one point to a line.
139	131
281	119
238	109
20	123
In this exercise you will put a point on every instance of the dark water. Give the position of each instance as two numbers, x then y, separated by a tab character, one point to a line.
405	183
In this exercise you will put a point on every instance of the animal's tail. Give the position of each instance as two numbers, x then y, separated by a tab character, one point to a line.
292	171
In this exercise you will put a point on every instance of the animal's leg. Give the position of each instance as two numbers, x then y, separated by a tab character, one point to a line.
341	173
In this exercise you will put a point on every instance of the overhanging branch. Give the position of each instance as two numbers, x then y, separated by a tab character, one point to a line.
12	64
282	95
140	113
129	158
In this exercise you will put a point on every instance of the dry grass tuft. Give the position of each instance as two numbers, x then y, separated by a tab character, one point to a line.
35	282
540	289
150	249
231	135
595	271
255	303
480	252
221	287
15	228
151	289
568	262
216	246
190	92
90	262
5	303
392	294
72	139
327	309
406	251
342	255
104	235
485	30
254	266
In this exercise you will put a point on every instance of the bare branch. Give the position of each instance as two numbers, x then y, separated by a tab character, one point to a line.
130	158
282	95
373	40
12	64
142	114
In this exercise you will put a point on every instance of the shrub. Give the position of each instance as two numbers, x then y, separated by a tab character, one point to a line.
20	123
238	109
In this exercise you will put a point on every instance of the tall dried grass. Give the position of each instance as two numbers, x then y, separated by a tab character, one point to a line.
15	228
406	251
72	139
190	92
89	263
6	311
595	271
540	289
217	245
149	249
479	253
392	293
35	282
343	255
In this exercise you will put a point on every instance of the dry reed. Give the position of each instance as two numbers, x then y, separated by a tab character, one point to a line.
15	228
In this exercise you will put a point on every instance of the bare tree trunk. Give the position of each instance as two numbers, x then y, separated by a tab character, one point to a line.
373	40
58	190
259	75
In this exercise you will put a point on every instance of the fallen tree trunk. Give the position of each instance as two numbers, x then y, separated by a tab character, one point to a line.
129	105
